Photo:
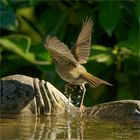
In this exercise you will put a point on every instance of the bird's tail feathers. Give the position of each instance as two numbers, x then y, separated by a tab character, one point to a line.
94	81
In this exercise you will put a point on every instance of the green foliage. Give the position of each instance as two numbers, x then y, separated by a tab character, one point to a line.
7	17
109	15
115	42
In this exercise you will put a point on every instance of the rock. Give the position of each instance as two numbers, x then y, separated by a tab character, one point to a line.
23	95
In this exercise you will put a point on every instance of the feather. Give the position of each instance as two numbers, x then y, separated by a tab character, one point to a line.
82	49
59	49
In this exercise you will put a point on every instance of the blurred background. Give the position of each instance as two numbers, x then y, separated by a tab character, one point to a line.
114	53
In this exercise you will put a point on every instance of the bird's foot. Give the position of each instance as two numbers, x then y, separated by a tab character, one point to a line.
82	109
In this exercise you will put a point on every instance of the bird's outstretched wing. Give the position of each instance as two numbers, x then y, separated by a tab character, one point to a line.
82	49
59	49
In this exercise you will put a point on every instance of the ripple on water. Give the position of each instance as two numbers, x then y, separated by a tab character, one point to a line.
43	128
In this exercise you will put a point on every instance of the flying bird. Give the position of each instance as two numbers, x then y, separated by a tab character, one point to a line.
68	62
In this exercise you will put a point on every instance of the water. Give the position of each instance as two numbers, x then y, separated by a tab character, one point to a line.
67	128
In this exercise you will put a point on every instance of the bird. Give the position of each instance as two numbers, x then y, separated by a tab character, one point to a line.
68	62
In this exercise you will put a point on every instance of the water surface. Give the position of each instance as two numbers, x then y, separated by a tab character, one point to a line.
59	128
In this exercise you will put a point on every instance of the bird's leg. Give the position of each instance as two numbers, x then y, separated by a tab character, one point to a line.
82	87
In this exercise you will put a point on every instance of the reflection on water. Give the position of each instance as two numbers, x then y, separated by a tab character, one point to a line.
56	128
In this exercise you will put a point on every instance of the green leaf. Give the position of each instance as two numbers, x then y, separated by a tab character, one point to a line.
23	3
121	31
61	25
131	45
32	25
101	54
131	65
55	22
7	17
20	45
134	32
137	10
40	52
109	15
124	92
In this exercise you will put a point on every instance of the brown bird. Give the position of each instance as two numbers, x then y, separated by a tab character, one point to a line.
68	62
